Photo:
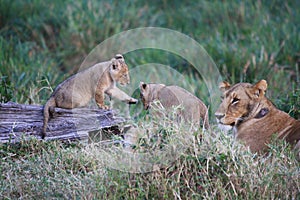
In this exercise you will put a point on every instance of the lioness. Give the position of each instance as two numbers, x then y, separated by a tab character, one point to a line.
93	82
194	110
253	117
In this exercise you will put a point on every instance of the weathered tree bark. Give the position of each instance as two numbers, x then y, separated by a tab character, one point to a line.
19	121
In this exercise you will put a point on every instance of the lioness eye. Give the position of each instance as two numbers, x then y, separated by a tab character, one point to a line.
234	100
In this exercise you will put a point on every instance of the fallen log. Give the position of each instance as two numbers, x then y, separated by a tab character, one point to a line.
19	121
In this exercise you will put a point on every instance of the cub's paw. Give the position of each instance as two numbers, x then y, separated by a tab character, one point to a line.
104	107
132	101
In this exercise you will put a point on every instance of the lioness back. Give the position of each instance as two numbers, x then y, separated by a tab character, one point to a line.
253	116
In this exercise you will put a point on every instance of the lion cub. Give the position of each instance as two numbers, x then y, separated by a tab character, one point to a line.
253	116
194	109
94	82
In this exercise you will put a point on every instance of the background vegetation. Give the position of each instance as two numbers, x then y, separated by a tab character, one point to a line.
43	42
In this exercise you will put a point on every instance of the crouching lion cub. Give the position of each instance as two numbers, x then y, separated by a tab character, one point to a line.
194	109
253	117
90	83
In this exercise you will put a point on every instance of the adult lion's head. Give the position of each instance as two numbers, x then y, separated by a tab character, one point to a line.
241	102
254	118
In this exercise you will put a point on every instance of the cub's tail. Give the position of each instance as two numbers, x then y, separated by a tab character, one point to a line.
50	103
205	116
206	121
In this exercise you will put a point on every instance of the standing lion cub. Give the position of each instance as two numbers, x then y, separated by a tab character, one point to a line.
194	110
253	116
94	82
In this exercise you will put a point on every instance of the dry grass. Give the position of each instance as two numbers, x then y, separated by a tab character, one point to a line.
169	161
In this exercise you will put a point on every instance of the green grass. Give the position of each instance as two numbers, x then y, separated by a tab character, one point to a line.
42	43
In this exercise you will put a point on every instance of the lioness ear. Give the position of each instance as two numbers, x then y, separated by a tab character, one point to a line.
223	86
260	87
143	86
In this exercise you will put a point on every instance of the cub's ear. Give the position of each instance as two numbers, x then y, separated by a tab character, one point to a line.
119	57
223	86
114	64
143	86
260	88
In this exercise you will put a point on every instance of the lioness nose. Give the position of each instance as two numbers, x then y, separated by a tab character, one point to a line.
219	115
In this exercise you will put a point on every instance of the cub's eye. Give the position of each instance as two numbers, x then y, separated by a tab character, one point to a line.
235	100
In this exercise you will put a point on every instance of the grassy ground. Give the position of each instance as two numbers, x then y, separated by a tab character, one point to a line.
213	168
42	43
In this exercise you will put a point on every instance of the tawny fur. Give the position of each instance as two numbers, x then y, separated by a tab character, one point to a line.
94	82
254	117
194	110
